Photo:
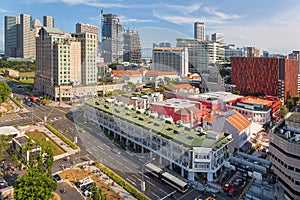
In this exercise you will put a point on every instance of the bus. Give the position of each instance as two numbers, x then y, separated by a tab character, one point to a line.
154	170
174	182
167	178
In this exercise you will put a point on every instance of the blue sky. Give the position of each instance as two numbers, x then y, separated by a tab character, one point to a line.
267	24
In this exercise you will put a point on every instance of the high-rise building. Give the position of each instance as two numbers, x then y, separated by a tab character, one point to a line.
58	63
20	36
112	39
199	31
266	76
218	37
88	36
295	55
171	59
201	53
48	21
252	52
132	46
232	51
284	154
11	38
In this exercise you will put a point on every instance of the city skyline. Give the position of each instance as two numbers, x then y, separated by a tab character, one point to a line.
268	25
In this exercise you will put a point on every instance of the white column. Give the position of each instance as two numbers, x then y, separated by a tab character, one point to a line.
182	172
191	176
160	160
210	176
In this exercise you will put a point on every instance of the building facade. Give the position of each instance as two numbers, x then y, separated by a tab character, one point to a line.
295	56
201	53
284	154
170	59
232	51
218	37
88	37
11	38
48	21
58	63
112	39
132	47
20	36
199	31
266	76
192	154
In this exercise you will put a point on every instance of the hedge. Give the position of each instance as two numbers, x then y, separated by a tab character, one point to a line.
63	138
15	101
137	194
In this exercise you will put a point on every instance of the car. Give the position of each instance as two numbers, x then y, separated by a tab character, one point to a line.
87	186
256	163
57	178
227	187
231	192
117	151
237	182
265	150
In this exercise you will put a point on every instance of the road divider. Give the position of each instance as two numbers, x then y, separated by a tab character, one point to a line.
123	183
62	137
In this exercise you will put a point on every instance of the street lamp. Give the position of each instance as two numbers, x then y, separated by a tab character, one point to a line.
143	185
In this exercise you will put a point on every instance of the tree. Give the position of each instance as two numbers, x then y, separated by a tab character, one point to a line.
283	111
3	145
97	193
5	90
37	183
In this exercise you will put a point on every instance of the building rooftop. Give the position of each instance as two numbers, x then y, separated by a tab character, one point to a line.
238	121
53	30
177	103
224	96
8	130
251	100
177	133
22	140
289	128
161	73
251	107
168	48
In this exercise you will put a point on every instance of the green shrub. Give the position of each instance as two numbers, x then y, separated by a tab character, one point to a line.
15	101
63	138
137	194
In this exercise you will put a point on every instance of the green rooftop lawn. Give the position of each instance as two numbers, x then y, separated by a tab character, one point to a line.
40	138
178	134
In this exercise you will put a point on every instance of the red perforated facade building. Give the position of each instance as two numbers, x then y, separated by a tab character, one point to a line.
266	76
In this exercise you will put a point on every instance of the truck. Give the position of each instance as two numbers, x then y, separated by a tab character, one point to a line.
7	192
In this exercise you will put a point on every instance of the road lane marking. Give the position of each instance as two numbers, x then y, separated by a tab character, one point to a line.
131	181
168	195
155	195
163	191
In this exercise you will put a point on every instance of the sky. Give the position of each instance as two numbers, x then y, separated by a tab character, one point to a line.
272	25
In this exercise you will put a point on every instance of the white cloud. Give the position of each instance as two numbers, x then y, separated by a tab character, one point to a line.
124	19
185	9
177	19
3	10
221	15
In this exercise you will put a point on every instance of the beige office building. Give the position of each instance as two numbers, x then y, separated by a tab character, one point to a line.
48	21
88	36
58	63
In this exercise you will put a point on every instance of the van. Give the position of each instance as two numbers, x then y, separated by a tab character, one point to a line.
83	182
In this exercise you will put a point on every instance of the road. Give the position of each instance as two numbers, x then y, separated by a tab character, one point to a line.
128	165
96	145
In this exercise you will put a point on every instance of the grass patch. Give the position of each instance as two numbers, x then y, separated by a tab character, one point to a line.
40	138
27	74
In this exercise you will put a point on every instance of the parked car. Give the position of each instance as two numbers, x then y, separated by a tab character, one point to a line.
57	177
227	187
231	192
87	186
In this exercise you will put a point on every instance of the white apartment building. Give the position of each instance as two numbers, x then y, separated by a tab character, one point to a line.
196	154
